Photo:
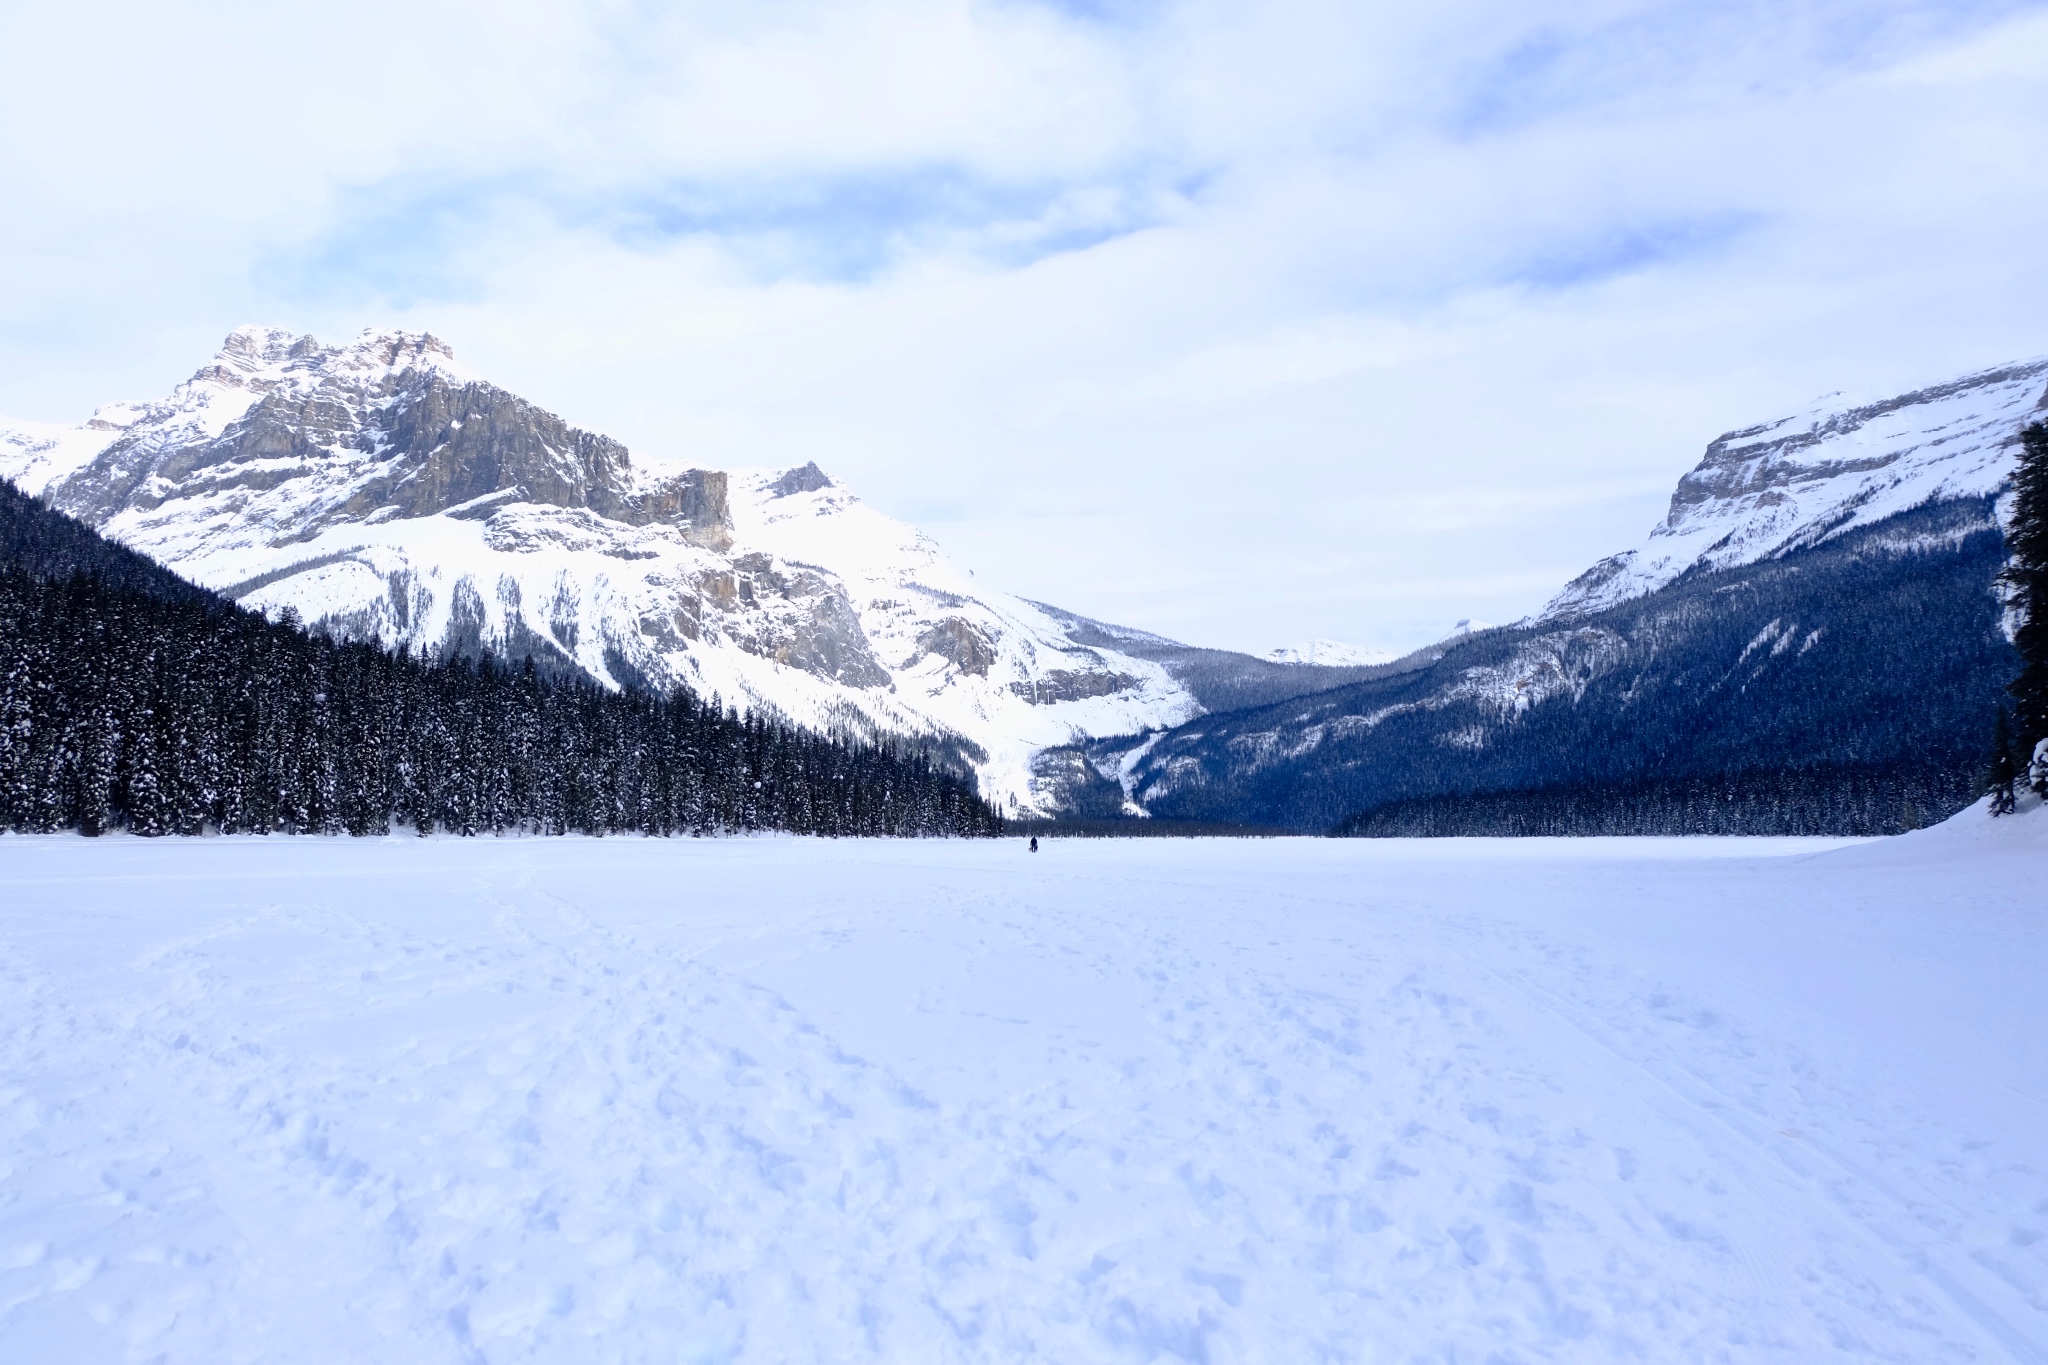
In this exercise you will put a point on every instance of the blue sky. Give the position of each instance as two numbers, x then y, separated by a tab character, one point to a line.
1242	323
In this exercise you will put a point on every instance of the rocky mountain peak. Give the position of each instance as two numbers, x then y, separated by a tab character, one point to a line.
252	348
1765	490
259	357
376	354
1829	442
803	479
281	437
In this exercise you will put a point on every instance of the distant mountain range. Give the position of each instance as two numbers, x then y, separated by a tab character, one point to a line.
379	489
1815	614
1333	652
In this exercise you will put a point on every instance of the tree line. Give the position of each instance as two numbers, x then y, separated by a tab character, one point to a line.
130	699
1768	801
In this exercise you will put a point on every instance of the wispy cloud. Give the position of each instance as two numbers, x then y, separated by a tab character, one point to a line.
1177	267
854	227
1607	252
1607	54
414	240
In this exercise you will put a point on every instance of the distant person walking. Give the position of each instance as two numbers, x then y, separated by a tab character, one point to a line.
1034	843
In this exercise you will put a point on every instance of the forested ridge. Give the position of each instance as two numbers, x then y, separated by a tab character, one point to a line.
1850	687
1868	711
129	699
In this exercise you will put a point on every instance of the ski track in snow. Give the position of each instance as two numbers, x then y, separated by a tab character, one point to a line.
786	1100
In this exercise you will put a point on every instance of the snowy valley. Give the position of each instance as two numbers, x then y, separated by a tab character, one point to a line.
620	778
540	1100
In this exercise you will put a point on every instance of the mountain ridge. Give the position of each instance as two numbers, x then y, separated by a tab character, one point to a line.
1778	486
1836	561
1798	694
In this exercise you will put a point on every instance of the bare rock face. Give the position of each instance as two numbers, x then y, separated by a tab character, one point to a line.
827	641
385	427
959	643
447	445
805	479
1066	684
799	617
695	501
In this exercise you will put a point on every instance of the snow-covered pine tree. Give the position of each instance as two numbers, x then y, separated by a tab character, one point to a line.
2005	772
2026	539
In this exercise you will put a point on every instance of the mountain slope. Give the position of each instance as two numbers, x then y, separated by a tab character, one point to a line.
1810	642
382	491
45	544
1768	490
132	699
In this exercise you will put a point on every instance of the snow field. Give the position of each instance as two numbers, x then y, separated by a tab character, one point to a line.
788	1100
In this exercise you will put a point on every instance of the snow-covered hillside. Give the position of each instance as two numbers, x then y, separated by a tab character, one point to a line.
1332	652
1840	465
416	1101
382	490
1855	543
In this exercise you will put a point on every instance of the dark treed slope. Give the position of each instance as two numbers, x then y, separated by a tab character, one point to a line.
49	545
1845	688
130	699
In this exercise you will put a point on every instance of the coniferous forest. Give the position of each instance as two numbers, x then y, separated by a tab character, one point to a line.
131	699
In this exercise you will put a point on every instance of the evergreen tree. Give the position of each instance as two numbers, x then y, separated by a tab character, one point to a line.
2005	772
2026	575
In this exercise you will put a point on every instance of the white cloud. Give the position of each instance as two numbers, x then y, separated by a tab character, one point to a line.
1250	323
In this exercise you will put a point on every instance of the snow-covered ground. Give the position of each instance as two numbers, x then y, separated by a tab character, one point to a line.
779	1100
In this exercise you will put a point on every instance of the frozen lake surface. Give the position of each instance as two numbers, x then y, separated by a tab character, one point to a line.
782	1100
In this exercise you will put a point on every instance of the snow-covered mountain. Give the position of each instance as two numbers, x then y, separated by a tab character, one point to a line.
380	489
1811	639
1334	652
1819	474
